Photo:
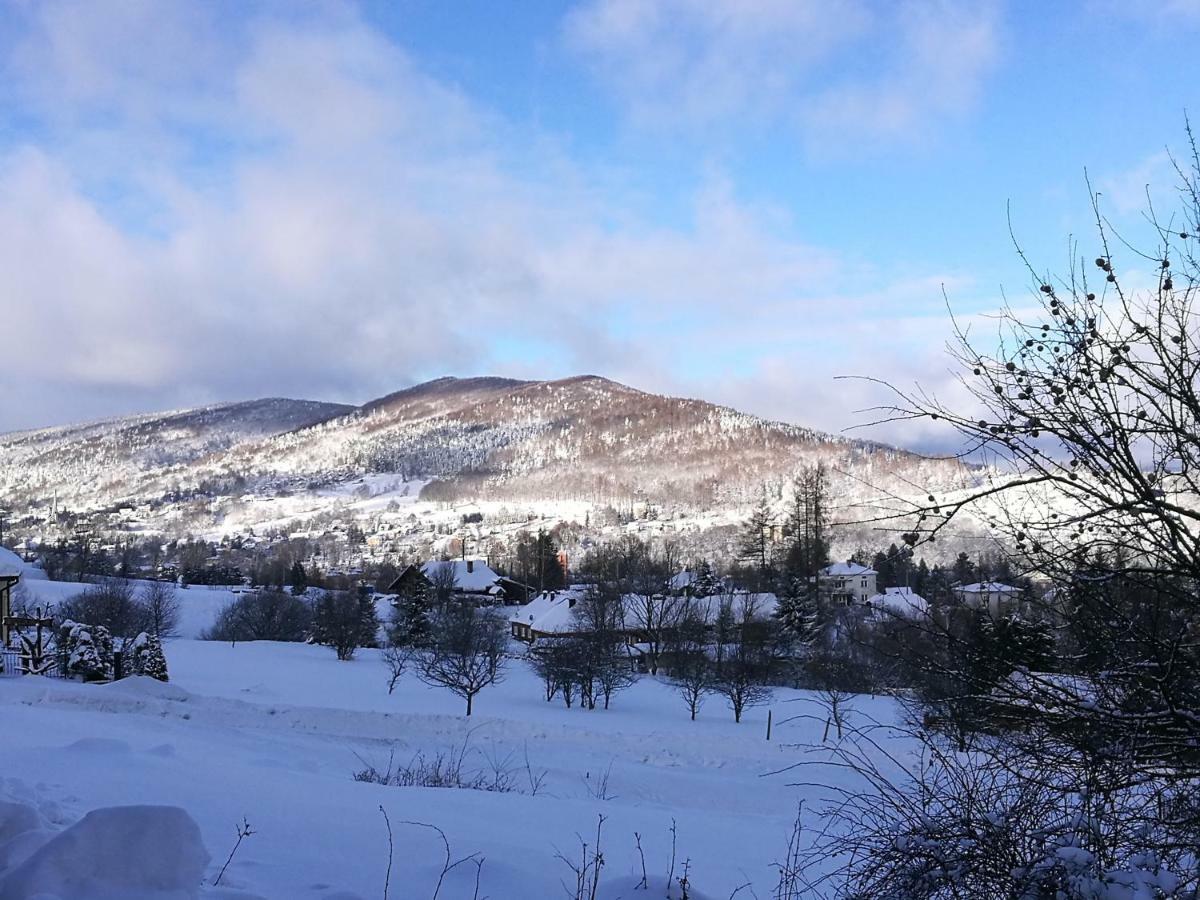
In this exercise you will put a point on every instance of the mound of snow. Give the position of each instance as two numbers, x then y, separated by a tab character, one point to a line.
144	686
17	818
117	853
21	833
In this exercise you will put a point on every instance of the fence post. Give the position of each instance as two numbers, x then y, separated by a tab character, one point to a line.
769	724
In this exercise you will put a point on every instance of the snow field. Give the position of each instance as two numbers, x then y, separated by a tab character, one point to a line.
273	732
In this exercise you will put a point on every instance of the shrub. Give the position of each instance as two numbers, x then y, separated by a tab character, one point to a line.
263	616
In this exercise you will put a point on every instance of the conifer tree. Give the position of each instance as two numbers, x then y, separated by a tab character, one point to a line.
758	539
368	619
153	661
298	578
705	584
412	620
86	651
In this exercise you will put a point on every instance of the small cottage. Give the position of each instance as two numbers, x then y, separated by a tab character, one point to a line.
474	580
847	583
8	580
994	596
898	601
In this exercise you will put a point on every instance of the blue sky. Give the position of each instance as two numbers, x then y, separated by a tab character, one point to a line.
732	199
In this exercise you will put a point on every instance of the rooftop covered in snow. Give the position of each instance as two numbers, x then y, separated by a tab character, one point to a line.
847	570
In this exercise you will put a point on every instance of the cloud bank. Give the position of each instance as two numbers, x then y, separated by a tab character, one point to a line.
203	205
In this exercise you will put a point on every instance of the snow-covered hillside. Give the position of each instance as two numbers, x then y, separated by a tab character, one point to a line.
584	441
272	733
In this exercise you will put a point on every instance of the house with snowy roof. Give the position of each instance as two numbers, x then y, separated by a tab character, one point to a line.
898	601
474	580
10	574
549	614
846	583
994	596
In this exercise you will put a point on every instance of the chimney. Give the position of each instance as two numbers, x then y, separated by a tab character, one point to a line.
571	602
470	566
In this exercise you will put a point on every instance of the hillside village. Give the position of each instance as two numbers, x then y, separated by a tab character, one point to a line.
599	450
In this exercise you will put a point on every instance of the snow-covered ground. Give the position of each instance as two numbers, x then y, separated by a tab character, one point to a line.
273	732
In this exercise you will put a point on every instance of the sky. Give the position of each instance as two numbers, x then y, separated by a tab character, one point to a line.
737	200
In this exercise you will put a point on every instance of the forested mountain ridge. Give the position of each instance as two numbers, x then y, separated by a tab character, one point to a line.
584	439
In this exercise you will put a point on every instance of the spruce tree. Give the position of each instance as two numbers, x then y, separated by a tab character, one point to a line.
298	578
758	542
412	621
153	661
86	651
368	619
705	584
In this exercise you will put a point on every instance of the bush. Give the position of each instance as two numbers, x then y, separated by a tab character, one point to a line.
85	651
111	604
345	621
263	616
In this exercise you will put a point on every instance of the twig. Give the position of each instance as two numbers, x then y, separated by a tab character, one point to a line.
644	884
243	831
387	879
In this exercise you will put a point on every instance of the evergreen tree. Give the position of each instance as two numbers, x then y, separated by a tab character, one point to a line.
368	619
705	584
797	609
412	618
298	578
757	546
882	564
963	571
85	651
920	579
153	661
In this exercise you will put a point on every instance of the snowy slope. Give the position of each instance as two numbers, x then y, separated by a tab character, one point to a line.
586	441
104	461
272	732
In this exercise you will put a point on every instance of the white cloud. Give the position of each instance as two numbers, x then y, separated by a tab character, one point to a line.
351	224
1126	192
680	62
704	61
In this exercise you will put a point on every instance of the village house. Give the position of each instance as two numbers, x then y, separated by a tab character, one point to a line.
847	584
549	614
10	574
997	598
898	601
474	580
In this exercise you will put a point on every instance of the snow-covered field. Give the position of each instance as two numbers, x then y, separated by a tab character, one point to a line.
273	733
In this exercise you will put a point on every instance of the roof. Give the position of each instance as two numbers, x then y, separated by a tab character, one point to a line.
987	587
903	601
681	580
550	612
847	570
11	565
480	578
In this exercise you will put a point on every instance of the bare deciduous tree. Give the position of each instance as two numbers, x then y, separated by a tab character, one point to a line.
465	652
691	666
161	605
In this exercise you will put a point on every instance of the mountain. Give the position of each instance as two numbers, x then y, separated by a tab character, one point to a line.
100	457
584	440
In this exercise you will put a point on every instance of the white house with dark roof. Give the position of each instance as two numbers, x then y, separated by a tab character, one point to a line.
994	596
898	601
847	583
